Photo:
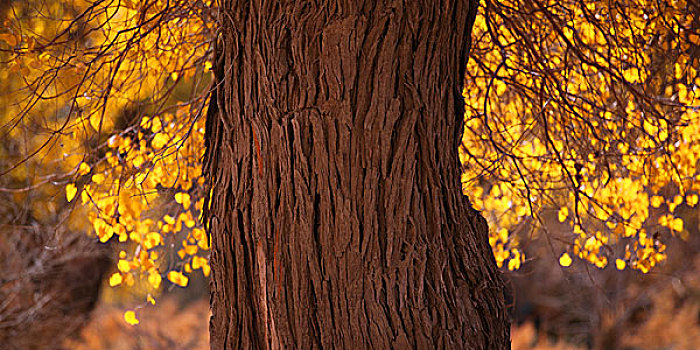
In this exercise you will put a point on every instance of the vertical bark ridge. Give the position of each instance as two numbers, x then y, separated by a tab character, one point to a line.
336	215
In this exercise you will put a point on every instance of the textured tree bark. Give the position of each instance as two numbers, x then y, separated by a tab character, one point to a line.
336	215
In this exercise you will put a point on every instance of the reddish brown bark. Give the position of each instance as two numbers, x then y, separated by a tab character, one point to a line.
337	219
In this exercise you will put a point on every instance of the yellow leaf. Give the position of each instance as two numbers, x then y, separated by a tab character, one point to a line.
85	195
84	169
677	200
184	199
191	249
694	38
563	214
198	234
138	161
98	178
103	230
677	224
169	219
620	264
203	244
144	122
157	125
115	280
150	299
197	263
178	278
565	260
152	239
513	264
503	235
71	190
120	230
130	318
159	140
123	265
692	200
656	201
154	279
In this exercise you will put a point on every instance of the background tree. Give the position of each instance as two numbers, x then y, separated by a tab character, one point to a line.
105	99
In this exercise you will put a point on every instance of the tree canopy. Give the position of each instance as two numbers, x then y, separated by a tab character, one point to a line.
582	123
105	99
590	110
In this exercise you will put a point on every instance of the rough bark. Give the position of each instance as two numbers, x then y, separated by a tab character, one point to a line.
336	215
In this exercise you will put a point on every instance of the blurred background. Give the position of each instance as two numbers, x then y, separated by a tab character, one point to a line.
101	130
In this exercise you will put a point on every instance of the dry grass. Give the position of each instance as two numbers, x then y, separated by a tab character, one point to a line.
167	326
674	320
163	326
668	321
525	337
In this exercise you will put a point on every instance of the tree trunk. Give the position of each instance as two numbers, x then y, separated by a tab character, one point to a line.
336	215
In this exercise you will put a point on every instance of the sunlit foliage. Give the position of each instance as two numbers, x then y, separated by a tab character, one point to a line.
588	114
580	116
111	95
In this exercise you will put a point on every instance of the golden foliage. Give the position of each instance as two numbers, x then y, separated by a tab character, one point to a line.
588	108
585	109
121	88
